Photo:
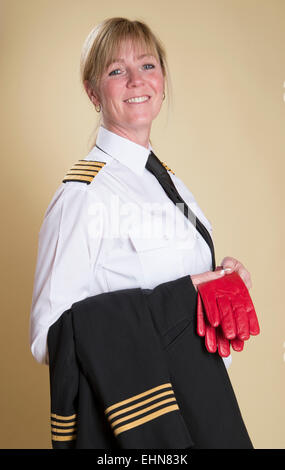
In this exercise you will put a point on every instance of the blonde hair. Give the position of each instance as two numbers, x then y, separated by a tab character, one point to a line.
101	44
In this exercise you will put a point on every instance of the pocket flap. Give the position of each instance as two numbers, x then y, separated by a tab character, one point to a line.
148	243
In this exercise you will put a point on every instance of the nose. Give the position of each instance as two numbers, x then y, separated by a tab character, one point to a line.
134	78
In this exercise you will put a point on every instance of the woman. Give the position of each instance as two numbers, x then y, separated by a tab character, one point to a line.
110	224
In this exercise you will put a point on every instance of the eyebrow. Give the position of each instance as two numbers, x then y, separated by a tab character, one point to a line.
120	59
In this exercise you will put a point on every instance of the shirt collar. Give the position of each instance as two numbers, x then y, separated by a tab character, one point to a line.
127	152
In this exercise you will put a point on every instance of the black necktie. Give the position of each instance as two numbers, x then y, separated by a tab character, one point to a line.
155	166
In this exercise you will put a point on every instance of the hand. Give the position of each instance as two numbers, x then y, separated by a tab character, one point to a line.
213	336
206	276
232	264
225	312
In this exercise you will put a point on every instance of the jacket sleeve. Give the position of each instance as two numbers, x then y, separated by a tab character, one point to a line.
177	296
64	382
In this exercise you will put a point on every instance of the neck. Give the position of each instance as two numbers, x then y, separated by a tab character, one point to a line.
139	136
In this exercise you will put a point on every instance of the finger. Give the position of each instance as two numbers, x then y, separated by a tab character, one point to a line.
207	276
211	309
207	292
223	343
227	317
226	269
251	313
201	327
254	328
248	282
231	263
244	275
237	344
210	339
240	313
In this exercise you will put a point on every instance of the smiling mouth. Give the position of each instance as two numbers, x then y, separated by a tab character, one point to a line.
138	99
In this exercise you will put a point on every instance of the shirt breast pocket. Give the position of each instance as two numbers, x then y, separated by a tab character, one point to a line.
120	266
160	259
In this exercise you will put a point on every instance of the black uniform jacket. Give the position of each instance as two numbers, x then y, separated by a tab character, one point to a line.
127	370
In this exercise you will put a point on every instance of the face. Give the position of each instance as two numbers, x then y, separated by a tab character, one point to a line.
131	76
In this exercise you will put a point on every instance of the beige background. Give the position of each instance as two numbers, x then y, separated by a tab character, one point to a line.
224	136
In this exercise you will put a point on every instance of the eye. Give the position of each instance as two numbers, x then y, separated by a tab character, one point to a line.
149	65
114	72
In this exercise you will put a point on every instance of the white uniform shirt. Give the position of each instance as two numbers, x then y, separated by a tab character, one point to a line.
120	231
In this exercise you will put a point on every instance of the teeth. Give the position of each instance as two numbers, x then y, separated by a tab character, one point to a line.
140	99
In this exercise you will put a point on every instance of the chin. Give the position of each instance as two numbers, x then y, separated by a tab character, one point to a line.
142	119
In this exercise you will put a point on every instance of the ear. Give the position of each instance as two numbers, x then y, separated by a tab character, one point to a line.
93	96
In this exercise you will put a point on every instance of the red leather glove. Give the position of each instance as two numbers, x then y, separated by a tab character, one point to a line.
214	336
225	314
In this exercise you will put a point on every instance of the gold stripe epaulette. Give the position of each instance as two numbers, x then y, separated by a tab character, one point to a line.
83	171
167	167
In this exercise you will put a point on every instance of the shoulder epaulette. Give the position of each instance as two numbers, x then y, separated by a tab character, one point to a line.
167	168
83	171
